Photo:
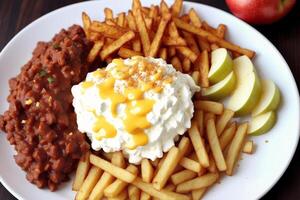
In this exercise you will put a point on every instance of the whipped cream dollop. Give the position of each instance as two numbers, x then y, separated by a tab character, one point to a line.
169	114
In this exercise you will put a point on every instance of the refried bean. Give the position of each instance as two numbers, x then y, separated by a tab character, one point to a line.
40	121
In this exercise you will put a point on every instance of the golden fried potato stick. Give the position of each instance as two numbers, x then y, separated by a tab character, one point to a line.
197	183
248	147
183	176
198	145
209	106
235	148
106	178
82	171
198	194
161	194
147	171
122	196
89	183
221	30
108	13
154	47
118	185
212	38
115	45
171	41
139	19
227	136
117	172
187	52
109	31
133	192
214	144
86	24
95	51
224	120
163	53
175	61
176	8
128	53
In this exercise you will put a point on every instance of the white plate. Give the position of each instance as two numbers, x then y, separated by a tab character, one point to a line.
255	175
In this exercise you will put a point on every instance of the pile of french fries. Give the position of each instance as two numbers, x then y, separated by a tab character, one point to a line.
213	144
184	40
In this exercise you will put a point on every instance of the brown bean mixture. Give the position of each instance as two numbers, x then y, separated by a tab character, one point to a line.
40	121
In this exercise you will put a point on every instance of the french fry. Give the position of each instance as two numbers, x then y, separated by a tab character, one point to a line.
194	17
198	145
171	51
171	41
199	120
116	44
185	18
108	13
95	51
133	192
81	172
221	30
147	171
190	164
215	145
146	11
89	183
176	8
121	19
122	196
176	63
248	147
198	194
136	4
163	53
184	147
111	22
142	31
203	44
117	172
166	168
109	31
212	165
93	36
170	187
161	194
210	29
208	116
212	38
203	64
148	22
182	176
227	136
209	106
191	42
197	183
223	120
235	148
86	23
118	186
158	36
187	52
128	53
145	196
172	30
164	9
106	178
196	77
153	12
136	44
186	65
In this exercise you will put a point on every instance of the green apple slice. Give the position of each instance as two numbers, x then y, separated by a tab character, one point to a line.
220	89
269	100
248	88
221	65
262	123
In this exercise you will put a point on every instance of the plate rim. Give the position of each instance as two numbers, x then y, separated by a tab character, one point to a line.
279	55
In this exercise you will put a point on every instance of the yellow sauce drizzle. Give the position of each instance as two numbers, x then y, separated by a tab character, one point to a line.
103	128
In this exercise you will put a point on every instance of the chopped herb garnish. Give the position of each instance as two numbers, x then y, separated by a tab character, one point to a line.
42	73
56	46
50	79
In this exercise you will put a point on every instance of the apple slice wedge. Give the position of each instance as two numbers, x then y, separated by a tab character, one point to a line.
221	65
220	89
248	88
269	100
262	123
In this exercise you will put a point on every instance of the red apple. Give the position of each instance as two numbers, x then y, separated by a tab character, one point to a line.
260	11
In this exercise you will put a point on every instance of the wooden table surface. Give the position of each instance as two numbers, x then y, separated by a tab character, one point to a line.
285	35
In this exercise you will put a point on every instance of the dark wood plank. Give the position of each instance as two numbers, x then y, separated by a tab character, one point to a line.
285	35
